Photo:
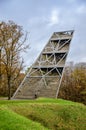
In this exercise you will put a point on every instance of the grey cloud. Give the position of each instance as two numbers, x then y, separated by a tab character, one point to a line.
36	17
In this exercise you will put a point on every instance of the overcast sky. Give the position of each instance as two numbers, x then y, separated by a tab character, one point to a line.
43	17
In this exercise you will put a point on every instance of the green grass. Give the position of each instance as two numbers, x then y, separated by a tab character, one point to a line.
42	114
12	121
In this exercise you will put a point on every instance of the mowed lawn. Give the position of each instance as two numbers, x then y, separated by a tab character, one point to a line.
42	114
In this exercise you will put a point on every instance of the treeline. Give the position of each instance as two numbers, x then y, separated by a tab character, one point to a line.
73	85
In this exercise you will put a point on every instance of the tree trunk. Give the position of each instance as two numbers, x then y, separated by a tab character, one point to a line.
9	89
0	69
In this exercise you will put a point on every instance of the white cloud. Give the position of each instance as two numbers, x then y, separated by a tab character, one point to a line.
54	18
83	59
81	9
50	19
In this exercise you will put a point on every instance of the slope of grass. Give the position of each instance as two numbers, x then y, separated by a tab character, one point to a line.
52	114
10	120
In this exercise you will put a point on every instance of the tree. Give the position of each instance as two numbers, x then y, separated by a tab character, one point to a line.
12	43
73	85
79	76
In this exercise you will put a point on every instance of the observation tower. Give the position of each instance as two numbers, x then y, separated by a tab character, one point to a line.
45	75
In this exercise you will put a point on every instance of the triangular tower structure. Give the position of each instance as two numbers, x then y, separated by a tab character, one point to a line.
45	75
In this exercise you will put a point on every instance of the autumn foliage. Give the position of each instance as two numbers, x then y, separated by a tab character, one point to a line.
73	85
12	43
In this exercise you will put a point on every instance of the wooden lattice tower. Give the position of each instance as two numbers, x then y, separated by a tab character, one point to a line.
45	75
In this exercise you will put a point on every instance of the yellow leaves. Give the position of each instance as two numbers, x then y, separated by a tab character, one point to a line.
11	46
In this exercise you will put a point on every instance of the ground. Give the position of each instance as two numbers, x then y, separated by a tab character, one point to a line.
42	114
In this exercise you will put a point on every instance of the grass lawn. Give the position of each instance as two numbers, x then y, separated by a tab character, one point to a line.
42	114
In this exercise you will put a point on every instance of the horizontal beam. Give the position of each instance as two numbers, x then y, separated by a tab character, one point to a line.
64	31
61	38
47	66
55	52
42	76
